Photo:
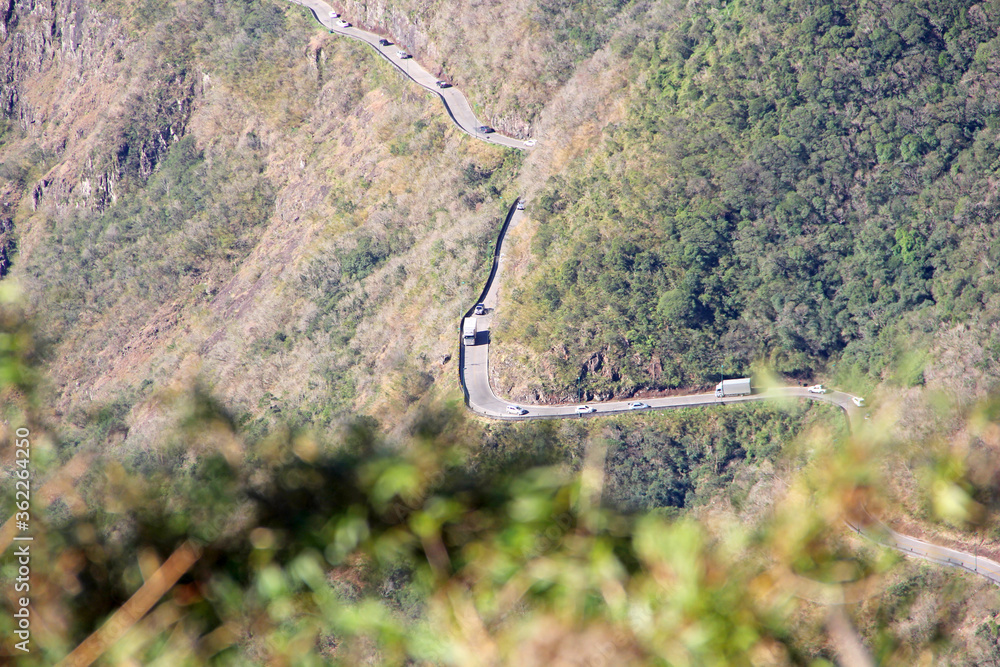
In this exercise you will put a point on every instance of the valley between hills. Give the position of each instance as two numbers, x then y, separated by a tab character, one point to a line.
235	252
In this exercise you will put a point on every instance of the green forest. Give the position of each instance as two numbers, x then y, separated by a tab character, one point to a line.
269	450
796	183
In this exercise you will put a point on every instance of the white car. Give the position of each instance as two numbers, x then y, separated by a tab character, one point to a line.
585	409
334	15
529	143
516	410
402	55
637	405
817	389
343	24
858	401
520	205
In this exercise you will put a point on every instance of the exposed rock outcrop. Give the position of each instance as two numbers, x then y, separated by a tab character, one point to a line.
7	244
63	64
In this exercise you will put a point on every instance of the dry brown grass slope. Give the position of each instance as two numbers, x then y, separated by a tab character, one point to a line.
351	155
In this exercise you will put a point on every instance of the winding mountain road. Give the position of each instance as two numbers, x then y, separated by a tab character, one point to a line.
911	546
455	102
474	359
482	399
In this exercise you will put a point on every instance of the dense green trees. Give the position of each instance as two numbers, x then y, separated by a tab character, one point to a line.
791	181
694	457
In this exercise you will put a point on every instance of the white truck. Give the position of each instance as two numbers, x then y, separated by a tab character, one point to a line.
469	331
739	387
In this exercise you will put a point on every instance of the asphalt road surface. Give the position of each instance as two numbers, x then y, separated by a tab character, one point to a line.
911	546
475	369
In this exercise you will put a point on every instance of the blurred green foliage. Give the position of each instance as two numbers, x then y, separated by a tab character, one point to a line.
366	551
428	546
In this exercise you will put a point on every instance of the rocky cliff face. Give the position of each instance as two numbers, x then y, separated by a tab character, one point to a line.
7	244
75	84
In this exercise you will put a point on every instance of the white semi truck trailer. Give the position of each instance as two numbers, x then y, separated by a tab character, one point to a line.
469	331
738	387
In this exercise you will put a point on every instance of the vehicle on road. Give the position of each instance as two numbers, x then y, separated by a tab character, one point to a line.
402	55
516	410
485	129
520	205
480	309
384	42
443	84
334	15
637	405
343	24
817	389
858	401
529	143
585	409
736	387
469	331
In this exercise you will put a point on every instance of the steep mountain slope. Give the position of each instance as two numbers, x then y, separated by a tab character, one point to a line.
250	209
220	194
802	185
513	57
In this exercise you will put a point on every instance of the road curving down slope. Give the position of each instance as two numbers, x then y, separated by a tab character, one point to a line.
474	360
455	102
481	399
